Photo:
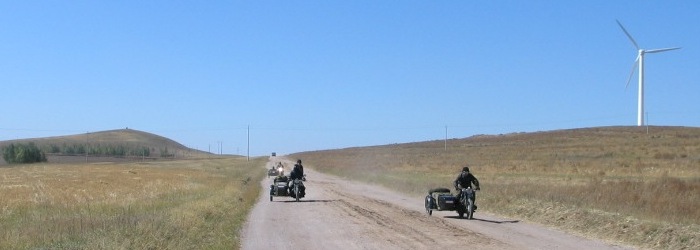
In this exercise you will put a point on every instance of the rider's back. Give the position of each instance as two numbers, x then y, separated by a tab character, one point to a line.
297	172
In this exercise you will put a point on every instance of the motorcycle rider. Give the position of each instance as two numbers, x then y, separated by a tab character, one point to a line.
297	173
280	169
464	180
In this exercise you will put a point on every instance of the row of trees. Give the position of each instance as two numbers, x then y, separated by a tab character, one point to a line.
109	150
30	153
102	150
23	153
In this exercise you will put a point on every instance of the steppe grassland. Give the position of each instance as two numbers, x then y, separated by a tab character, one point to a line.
187	204
617	184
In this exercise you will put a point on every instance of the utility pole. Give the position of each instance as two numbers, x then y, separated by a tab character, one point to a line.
646	115
445	137
87	141
248	154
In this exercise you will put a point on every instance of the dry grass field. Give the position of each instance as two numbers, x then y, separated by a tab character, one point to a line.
620	184
185	204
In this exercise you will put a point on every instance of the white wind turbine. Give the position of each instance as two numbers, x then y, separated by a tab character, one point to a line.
640	59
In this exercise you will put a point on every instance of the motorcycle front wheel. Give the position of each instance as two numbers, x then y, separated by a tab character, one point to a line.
470	209
428	206
296	192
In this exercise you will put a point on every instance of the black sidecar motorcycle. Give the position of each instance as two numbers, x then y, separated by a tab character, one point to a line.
441	199
279	187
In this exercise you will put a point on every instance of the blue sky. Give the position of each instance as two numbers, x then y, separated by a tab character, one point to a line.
310	75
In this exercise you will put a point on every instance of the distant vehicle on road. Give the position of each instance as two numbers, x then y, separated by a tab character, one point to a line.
274	154
276	170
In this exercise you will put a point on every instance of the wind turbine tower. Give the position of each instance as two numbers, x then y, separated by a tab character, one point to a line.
640	60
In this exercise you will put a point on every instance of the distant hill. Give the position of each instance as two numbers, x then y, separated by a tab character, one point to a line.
114	144
626	146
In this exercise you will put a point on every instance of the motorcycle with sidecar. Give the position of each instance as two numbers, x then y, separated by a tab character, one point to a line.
441	199
279	187
282	186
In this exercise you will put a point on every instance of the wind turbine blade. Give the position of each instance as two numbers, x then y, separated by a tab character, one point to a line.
660	50
634	67
628	34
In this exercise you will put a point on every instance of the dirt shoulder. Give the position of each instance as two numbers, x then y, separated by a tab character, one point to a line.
343	214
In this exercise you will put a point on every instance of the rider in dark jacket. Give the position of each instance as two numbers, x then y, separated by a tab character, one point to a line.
464	180
297	173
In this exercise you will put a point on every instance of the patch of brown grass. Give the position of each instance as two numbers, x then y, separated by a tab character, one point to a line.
175	205
642	189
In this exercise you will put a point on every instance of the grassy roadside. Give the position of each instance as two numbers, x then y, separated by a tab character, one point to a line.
617	184
188	204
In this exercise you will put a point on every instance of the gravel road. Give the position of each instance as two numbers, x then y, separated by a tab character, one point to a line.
342	214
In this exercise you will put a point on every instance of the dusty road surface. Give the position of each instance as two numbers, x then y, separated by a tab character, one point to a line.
342	214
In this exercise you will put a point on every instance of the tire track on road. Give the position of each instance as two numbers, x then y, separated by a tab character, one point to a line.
404	228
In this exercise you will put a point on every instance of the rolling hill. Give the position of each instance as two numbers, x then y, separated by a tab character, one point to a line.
112	145
630	149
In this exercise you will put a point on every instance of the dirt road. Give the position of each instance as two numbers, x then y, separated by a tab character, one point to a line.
342	214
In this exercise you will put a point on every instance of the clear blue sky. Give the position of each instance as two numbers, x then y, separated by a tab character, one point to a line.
309	75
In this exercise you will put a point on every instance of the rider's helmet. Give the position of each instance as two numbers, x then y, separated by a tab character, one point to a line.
298	161
465	169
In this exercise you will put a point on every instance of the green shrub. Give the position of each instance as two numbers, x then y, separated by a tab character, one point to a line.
23	153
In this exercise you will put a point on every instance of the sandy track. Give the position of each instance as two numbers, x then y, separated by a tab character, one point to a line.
342	214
